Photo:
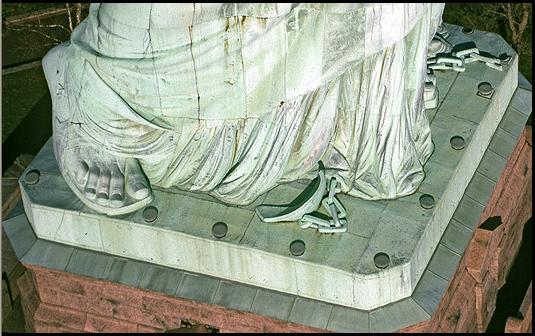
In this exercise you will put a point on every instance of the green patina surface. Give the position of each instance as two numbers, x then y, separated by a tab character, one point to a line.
418	307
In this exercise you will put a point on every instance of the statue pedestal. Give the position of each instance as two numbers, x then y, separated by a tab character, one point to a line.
423	245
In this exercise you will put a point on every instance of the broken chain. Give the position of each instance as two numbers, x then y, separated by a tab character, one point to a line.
334	207
457	60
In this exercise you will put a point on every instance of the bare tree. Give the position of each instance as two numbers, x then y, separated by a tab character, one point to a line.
33	23
74	14
517	16
510	20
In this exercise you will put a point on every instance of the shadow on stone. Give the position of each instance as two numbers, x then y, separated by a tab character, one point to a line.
491	223
510	296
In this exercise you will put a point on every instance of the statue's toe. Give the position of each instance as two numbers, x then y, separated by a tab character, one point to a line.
137	185
90	189
103	187
116	188
81	173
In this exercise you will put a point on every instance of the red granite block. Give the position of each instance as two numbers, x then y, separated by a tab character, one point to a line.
422	327
460	300
53	327
467	319
96	323
28	317
477	255
30	299
498	273
181	309
75	301
236	321
65	317
117	295
140	316
485	294
147	329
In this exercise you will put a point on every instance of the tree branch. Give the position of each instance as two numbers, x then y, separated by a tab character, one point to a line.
78	13
42	26
69	16
526	9
37	32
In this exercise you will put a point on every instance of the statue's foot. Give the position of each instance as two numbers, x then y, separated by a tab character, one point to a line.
107	184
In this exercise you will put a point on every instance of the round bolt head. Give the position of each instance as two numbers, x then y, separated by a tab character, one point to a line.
297	247
219	230
150	214
32	177
457	142
485	88
467	30
381	260
427	201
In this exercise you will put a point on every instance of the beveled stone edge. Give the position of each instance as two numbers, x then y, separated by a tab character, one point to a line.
378	326
415	268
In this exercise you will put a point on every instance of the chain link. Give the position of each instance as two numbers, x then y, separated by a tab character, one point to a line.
457	60
336	224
